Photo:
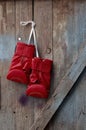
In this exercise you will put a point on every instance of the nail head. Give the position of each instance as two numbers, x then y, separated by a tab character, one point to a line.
48	50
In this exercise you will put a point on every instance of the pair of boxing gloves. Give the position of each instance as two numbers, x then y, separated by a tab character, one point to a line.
28	69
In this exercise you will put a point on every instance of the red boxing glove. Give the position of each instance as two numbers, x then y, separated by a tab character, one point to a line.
20	68
40	78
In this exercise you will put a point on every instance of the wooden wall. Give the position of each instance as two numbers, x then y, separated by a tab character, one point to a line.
61	35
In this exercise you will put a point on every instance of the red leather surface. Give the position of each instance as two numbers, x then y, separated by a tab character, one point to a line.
20	67
40	78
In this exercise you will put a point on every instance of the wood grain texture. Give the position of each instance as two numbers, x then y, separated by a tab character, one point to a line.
43	19
60	93
61	36
68	26
70	113
12	115
7	46
23	115
7	39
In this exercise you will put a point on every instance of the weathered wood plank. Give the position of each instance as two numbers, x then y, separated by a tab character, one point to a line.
43	19
68	26
80	103
7	120
7	46
12	115
7	39
44	23
23	115
65	48
70	115
61	92
69	36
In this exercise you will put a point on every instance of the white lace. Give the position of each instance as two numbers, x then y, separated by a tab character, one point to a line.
32	32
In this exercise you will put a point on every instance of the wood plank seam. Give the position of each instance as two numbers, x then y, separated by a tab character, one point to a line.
32	10
0	92
58	96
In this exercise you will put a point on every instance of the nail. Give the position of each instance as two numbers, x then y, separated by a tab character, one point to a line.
48	50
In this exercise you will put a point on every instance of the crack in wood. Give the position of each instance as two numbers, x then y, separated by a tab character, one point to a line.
33	10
